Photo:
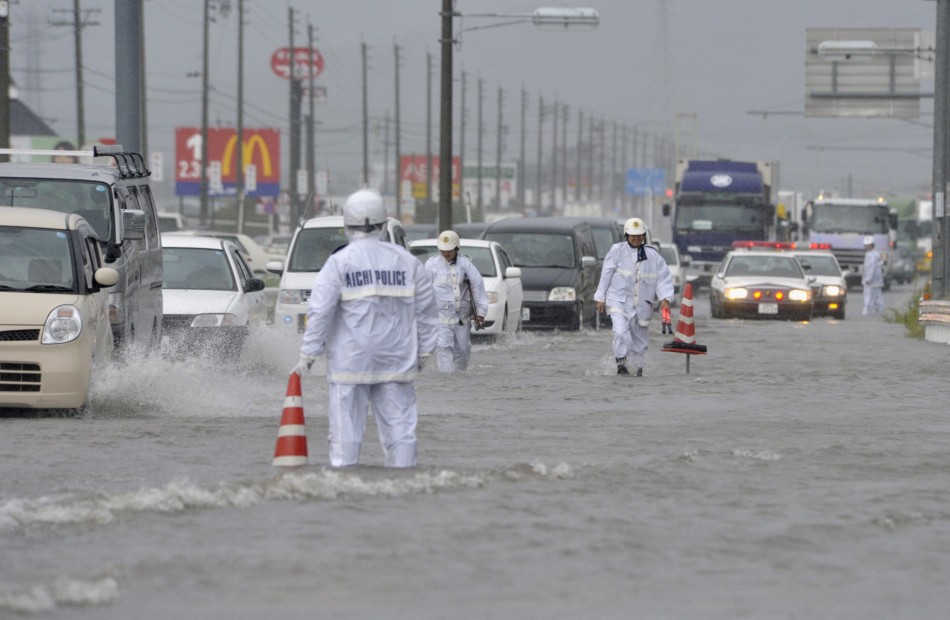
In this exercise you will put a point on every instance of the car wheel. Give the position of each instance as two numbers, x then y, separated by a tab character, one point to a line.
504	321
840	314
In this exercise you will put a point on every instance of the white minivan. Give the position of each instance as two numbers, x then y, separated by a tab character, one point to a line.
309	249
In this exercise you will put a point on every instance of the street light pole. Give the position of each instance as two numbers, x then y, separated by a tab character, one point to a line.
547	18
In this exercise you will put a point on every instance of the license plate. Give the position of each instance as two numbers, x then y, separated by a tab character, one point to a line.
525	314
768	308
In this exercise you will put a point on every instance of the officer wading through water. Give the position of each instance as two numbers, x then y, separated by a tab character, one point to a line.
633	275
460	297
372	310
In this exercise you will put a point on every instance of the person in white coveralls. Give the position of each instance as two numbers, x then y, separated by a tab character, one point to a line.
633	276
372	310
873	279
461	298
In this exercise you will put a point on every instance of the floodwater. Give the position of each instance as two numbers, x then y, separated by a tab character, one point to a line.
798	471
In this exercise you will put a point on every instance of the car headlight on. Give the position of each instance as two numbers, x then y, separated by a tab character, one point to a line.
562	293
736	293
797	294
492	297
215	320
290	296
63	325
832	290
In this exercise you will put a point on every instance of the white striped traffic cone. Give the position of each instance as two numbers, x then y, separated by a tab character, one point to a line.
291	448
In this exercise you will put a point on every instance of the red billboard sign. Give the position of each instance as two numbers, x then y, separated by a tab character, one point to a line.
307	62
412	170
261	148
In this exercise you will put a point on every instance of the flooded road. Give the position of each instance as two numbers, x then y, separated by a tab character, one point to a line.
799	470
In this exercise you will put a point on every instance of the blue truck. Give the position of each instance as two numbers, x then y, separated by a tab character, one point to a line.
717	202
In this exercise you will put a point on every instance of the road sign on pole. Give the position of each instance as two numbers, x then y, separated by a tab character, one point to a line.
645	181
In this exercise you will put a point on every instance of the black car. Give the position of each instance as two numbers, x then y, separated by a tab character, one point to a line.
558	261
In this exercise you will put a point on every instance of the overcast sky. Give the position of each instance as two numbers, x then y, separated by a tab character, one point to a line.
649	62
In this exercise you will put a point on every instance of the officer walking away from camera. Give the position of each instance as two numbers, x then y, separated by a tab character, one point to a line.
372	310
633	275
460	296
872	279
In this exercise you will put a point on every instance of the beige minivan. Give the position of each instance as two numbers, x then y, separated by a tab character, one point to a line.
54	309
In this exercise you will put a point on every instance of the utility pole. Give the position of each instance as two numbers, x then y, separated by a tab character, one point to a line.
479	133
80	19
565	114
4	76
603	156
239	169
537	200
445	118
580	145
365	120
398	136
203	197
385	187
462	116
941	229
554	167
498	152
311	127
521	154
613	166
428	131
296	96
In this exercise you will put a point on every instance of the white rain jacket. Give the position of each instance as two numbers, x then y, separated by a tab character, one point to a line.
452	294
629	287
873	275
373	310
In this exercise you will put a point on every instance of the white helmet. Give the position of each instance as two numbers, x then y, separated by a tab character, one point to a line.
634	226
364	208
869	240
448	240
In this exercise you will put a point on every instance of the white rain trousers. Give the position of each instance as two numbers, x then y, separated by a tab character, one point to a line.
629	289
455	286
372	310
873	281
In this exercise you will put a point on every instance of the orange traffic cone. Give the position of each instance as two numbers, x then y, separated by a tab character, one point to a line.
291	449
684	338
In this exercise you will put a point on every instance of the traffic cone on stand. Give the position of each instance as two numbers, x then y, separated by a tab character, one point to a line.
291	448
684	338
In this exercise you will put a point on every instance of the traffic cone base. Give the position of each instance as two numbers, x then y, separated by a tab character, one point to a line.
291	448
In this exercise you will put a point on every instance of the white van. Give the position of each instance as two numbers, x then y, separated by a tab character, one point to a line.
115	198
309	249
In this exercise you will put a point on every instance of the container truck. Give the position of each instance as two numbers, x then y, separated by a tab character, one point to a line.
718	202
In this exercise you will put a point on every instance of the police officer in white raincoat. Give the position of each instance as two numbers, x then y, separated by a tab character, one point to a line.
633	275
873	279
372	310
457	283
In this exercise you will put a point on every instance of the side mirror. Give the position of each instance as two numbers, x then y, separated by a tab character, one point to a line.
513	272
588	261
253	285
133	224
275	266
106	277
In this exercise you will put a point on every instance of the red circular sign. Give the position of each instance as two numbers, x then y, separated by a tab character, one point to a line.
307	62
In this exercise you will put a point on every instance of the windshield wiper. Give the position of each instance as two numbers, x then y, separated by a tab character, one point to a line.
49	288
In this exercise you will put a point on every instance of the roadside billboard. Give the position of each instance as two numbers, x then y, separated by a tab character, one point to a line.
261	149
412	174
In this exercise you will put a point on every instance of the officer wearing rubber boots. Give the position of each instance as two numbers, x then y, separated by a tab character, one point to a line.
873	279
633	276
460	296
372	310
